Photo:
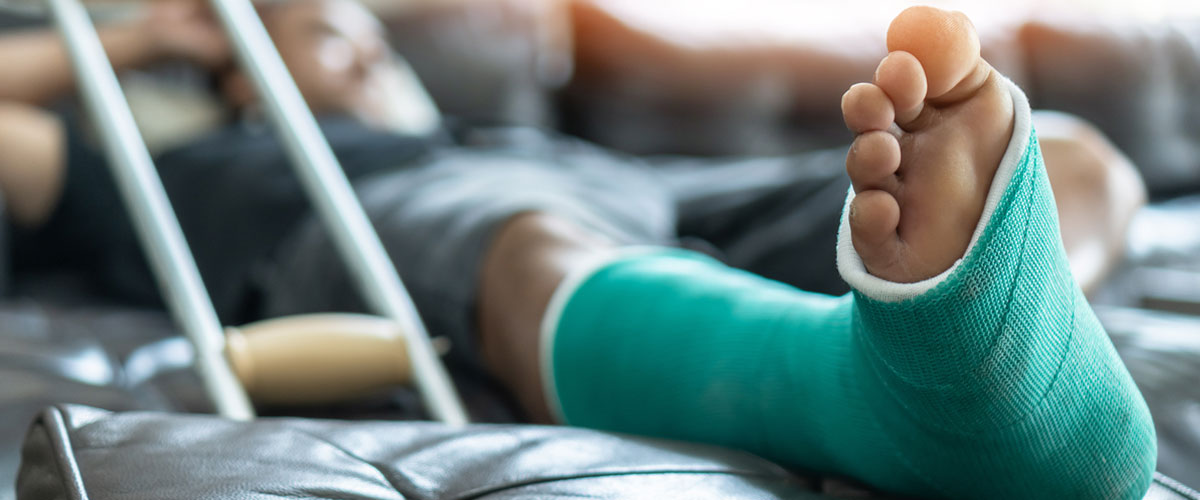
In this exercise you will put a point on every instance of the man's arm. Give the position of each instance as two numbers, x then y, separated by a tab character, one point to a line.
38	69
43	71
32	160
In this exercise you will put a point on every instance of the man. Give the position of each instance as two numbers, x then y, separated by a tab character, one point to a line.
261	253
336	54
966	362
439	206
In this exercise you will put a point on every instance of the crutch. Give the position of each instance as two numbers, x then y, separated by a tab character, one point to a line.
336	203
153	217
388	357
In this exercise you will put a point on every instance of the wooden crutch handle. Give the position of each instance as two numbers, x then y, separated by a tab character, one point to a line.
317	358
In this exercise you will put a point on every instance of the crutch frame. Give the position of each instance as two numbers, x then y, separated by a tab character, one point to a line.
336	203
320	174
155	221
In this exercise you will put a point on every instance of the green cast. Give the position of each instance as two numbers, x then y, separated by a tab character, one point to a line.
994	380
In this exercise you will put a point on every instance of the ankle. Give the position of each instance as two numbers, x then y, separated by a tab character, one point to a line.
529	257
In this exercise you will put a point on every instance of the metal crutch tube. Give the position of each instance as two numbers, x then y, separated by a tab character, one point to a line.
152	214
336	203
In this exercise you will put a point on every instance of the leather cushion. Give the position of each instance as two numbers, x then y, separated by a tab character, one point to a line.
163	456
75	452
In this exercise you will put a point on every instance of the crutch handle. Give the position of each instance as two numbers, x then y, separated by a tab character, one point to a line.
317	358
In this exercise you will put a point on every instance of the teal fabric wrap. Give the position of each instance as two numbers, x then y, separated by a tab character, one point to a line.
997	382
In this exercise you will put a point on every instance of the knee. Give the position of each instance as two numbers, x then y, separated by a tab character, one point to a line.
1081	162
540	235
1097	191
531	252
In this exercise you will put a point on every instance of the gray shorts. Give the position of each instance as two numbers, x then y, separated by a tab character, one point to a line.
774	216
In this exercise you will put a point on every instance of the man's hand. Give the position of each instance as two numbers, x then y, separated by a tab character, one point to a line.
186	29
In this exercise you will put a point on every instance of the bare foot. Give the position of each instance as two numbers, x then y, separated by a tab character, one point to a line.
932	129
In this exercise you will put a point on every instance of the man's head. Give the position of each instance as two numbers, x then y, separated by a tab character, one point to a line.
334	49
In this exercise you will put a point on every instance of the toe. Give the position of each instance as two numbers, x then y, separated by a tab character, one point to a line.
873	160
866	107
874	217
945	42
901	77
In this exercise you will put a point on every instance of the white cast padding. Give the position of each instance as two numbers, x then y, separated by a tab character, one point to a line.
554	310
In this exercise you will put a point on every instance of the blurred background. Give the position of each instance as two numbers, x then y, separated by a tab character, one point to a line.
666	79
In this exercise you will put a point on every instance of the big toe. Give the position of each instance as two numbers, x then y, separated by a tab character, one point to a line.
944	42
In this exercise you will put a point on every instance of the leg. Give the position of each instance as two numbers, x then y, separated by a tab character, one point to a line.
472	236
1097	191
965	364
529	257
531	254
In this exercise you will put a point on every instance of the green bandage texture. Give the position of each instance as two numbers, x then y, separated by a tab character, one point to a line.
996	382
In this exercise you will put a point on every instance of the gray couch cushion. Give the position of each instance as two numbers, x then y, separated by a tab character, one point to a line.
75	452
72	449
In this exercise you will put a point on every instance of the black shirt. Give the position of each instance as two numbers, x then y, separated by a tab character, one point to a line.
234	192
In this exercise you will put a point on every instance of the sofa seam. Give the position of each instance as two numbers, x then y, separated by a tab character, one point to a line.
60	441
395	487
481	492
477	492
